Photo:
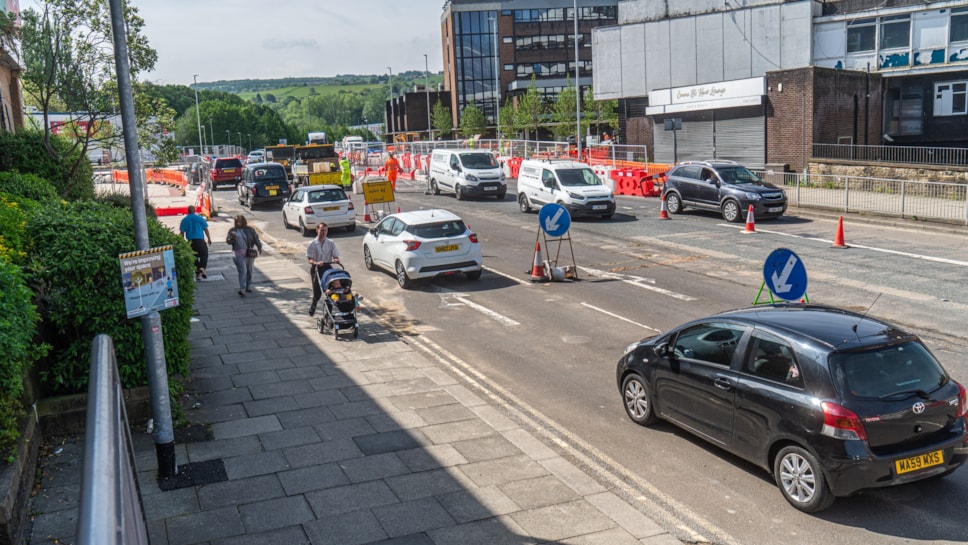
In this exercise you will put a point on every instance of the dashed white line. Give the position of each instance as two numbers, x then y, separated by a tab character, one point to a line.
623	318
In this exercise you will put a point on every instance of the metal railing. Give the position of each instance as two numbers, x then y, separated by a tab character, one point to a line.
902	198
111	511
919	155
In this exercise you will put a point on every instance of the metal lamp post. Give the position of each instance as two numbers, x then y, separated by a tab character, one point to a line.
430	130
497	89
391	120
577	89
240	140
198	116
202	152
250	141
228	139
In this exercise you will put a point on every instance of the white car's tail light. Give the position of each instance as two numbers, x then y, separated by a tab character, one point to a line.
412	244
473	237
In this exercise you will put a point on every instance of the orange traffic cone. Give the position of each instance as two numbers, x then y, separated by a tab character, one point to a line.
750	223
366	212
839	238
398	208
664	210
537	270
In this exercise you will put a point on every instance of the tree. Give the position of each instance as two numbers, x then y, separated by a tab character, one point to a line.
530	112
508	127
270	98
600	112
472	121
563	112
68	57
441	119
258	98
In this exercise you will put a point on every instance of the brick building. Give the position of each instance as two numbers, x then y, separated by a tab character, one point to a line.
11	101
761	81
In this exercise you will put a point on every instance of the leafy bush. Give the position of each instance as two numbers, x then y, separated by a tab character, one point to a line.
14	211
24	152
77	274
17	331
30	186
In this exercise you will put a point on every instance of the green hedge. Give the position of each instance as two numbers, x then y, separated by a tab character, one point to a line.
75	247
24	152
30	186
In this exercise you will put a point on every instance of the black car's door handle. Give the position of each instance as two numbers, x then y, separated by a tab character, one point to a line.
723	383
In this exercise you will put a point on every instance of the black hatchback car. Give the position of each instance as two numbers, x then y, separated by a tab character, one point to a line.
829	401
264	183
725	186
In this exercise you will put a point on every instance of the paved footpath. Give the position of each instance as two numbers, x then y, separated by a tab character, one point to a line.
340	442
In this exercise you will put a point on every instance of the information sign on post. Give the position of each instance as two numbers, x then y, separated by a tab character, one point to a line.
148	280
785	275
378	192
554	219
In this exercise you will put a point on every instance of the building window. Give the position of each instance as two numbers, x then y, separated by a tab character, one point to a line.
895	31
508	39
539	15
949	98
598	13
508	67
475	63
861	35
959	25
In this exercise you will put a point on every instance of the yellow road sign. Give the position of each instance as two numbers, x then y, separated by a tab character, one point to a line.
378	192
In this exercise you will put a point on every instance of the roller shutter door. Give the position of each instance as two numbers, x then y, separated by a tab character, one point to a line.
740	135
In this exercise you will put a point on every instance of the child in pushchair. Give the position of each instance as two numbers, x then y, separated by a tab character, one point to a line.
341	302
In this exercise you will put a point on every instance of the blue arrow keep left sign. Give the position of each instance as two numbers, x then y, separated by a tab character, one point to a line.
785	274
554	219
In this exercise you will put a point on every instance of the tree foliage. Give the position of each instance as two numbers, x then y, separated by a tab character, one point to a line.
563	112
472	121
441	119
531	110
600	112
24	152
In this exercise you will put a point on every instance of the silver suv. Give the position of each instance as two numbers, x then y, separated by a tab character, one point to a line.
724	186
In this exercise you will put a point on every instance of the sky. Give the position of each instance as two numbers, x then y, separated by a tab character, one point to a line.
266	39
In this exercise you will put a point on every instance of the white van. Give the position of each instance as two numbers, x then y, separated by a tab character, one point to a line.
573	185
466	173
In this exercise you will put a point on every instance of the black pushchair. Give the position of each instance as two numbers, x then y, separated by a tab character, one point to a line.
340	303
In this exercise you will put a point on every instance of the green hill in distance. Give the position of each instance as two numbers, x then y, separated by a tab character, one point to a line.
301	87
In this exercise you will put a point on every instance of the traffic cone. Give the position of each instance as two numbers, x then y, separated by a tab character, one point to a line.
750	223
537	270
664	211
366	212
398	208
839	238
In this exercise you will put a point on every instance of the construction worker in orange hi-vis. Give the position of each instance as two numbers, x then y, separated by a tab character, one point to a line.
392	166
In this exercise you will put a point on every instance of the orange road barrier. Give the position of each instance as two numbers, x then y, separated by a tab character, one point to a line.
839	238
750	223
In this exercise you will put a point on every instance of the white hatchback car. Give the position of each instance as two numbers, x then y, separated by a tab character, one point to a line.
309	206
423	244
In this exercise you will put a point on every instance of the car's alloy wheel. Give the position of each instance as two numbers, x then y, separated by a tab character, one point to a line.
637	401
285	222
433	187
731	211
402	278
303	230
367	258
800	479
523	203
673	203
458	192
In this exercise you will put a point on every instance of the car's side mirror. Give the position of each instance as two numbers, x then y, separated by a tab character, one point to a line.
662	349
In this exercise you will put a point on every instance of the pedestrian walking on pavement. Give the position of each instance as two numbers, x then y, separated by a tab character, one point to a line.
321	253
392	167
195	230
246	246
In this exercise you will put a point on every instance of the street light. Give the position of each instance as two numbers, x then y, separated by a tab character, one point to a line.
250	141
430	132
390	81
240	140
228	139
497	88
203	140
198	116
577	90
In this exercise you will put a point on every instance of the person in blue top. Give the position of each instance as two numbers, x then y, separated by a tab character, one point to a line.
195	230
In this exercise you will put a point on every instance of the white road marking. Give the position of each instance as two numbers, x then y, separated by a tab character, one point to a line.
639	282
613	315
462	298
512	278
871	248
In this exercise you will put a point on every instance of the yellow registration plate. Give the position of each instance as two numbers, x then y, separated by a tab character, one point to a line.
915	463
447	248
229	170
272	192
272	187
330	208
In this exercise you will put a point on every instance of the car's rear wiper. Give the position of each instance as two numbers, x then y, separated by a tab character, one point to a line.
916	391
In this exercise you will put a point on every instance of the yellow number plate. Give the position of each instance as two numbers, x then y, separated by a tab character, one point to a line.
272	187
330	208
230	170
915	463
272	192
447	248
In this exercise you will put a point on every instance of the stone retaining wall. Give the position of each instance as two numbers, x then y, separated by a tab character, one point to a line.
890	171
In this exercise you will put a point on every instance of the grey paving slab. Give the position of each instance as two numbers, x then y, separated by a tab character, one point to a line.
355	408
344	429
563	520
529	444
212	384
285	438
538	492
204	526
493	531
210	450
318	398
270	406
276	513
614	536
390	441
412	539
226	397
216	413
486	448
58	526
442	414
399	420
348	529
372	467
422	400
250	465
629	518
171	503
292	535
245	427
412	516
238	491
503	470
257	377
305	417
431	457
345	499
577	479
477	503
428	483
451	432
307	479
302	373
276	389
336	450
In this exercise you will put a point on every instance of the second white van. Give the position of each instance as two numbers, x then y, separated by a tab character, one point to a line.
573	185
467	173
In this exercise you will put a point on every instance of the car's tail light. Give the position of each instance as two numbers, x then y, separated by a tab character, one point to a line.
308	210
351	207
473	237
412	245
841	423
962	401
